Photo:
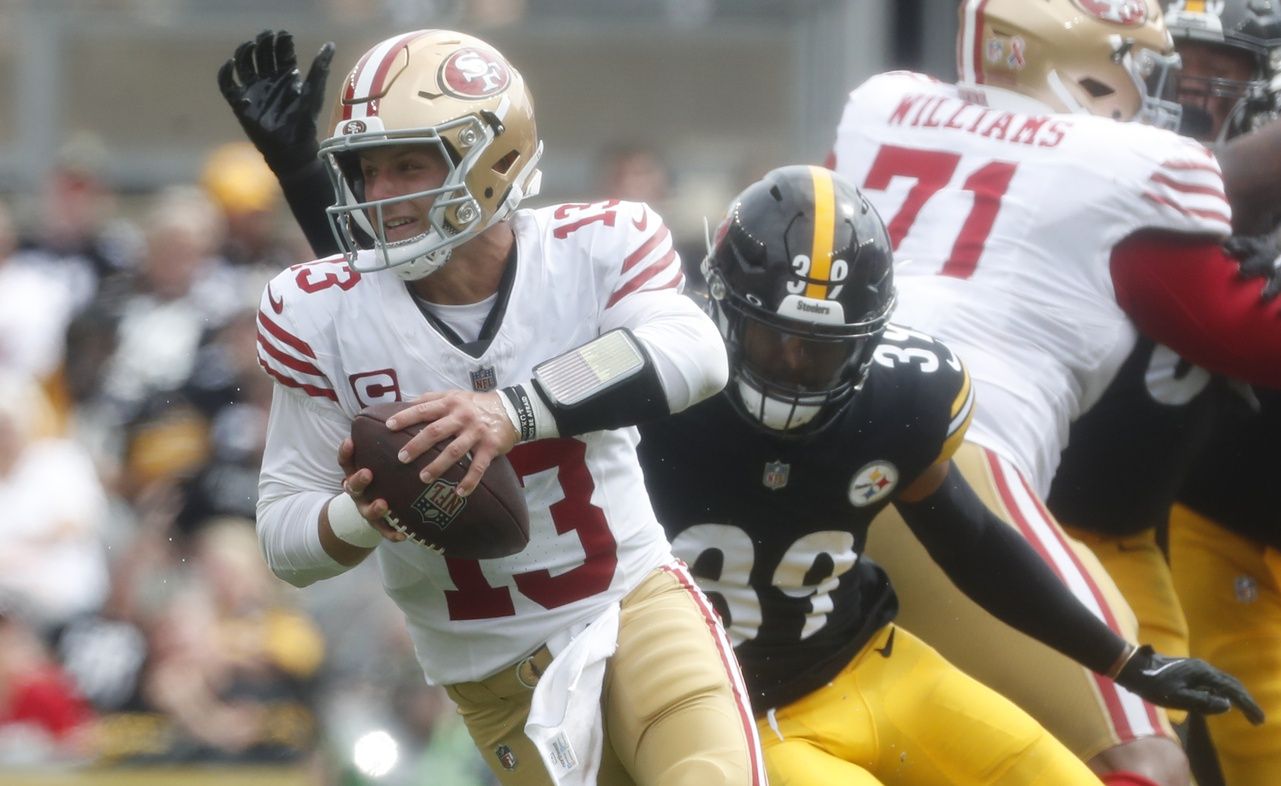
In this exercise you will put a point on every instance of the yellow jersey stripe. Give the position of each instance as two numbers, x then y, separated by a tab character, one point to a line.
962	413
962	395
824	230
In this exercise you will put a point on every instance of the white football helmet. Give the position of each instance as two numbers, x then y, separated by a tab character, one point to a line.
446	90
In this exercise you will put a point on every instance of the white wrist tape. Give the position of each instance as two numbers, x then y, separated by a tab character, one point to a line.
349	526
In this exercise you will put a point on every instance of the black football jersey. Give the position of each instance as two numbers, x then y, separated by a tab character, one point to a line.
1127	455
773	528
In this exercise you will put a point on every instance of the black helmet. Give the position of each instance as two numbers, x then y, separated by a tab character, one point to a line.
801	285
1249	26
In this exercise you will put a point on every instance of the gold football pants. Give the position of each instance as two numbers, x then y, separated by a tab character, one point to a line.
1088	712
1230	587
1142	573
674	708
901	715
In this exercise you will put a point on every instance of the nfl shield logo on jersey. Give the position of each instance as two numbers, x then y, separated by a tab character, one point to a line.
775	476
873	483
506	757
484	379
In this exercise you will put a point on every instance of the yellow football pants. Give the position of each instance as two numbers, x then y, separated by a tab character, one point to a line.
901	715
1088	712
1230	588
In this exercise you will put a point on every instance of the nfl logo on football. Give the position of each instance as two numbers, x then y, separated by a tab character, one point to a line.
439	504
484	379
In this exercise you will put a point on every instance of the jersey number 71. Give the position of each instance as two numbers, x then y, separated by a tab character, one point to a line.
933	170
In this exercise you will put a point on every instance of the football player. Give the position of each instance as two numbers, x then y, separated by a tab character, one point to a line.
1041	232
1169	408
446	294
831	416
1223	543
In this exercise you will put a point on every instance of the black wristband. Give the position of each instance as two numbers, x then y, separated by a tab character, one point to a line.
519	398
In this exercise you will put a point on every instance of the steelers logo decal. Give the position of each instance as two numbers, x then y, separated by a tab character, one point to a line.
873	483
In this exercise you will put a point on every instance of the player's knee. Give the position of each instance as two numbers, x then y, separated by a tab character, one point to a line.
709	771
1151	760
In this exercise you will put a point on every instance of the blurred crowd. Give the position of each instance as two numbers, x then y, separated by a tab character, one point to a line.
138	621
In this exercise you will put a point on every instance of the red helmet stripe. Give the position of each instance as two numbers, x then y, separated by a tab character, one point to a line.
369	74
969	45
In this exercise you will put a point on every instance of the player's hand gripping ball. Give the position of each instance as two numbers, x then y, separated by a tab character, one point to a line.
489	523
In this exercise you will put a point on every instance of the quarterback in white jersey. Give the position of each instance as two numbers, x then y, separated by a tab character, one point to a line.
337	341
1037	236
484	316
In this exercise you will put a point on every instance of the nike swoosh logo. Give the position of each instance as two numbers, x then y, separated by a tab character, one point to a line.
277	303
642	222
889	645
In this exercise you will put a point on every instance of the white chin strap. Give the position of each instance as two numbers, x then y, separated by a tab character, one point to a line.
774	413
424	265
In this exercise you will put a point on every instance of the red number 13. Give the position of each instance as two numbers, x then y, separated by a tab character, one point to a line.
476	599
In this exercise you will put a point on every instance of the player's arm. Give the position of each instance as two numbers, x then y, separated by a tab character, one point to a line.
1186	292
1001	572
297	489
657	353
306	530
278	110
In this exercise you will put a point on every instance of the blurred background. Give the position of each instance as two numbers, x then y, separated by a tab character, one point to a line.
142	640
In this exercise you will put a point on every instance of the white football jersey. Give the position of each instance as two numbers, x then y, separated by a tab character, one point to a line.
337	341
1003	224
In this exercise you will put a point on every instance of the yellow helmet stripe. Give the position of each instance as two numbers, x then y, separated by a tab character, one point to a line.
1195	6
824	231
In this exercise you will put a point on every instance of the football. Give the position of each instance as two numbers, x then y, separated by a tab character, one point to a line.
489	523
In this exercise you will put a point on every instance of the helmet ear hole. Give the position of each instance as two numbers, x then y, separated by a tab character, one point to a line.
504	164
1095	88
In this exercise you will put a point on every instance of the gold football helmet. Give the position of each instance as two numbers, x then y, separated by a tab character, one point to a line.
1102	57
449	91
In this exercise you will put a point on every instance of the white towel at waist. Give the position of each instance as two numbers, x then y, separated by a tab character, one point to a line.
564	716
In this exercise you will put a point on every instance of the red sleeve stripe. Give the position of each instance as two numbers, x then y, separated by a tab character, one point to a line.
1188	188
288	360
1210	215
310	390
639	280
655	240
284	336
1187	166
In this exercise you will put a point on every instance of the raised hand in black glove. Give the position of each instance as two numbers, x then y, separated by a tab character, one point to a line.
1185	684
1260	257
275	106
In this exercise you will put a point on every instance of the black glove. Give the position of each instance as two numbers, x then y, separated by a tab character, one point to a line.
277	109
1185	684
1259	257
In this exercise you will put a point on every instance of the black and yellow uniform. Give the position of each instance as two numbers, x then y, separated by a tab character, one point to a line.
773	529
1225	555
1126	458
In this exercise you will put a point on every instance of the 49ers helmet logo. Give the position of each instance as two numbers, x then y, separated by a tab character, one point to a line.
1122	12
472	72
